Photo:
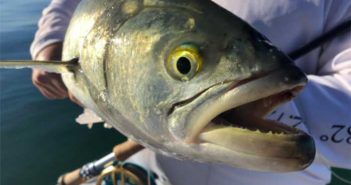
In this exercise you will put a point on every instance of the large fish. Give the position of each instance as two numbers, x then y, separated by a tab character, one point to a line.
186	78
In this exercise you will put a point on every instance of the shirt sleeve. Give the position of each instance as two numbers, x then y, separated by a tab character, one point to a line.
325	104
53	24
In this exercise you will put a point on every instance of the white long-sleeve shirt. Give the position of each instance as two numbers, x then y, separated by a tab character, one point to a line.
323	109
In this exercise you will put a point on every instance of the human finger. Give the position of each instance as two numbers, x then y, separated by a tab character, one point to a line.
49	84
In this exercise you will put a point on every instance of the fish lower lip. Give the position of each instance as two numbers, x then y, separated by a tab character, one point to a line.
268	144
286	152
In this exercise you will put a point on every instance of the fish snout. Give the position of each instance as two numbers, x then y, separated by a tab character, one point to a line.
293	75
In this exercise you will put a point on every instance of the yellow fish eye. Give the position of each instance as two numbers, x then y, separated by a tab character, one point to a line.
184	62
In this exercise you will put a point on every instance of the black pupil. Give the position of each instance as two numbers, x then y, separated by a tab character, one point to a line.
183	65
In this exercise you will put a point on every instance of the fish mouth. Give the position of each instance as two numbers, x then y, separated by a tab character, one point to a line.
231	116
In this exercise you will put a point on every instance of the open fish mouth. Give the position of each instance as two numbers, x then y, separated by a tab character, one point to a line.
231	116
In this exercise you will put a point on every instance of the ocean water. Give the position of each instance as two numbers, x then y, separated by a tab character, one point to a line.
39	139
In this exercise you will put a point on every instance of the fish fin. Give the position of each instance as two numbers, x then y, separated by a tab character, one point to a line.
49	66
88	117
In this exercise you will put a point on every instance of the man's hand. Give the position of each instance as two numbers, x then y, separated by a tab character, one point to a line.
51	84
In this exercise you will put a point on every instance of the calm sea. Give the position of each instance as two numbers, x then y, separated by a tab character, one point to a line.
39	139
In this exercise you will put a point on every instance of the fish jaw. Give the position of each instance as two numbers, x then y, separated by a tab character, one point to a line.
246	140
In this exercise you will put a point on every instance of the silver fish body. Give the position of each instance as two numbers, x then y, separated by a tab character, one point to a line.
186	78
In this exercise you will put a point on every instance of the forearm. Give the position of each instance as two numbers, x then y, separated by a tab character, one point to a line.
53	24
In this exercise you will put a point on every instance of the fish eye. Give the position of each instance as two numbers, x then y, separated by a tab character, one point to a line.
183	65
184	62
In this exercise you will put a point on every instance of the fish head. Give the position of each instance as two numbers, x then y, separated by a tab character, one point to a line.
195	81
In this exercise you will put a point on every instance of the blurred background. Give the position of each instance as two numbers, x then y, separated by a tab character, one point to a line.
39	139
